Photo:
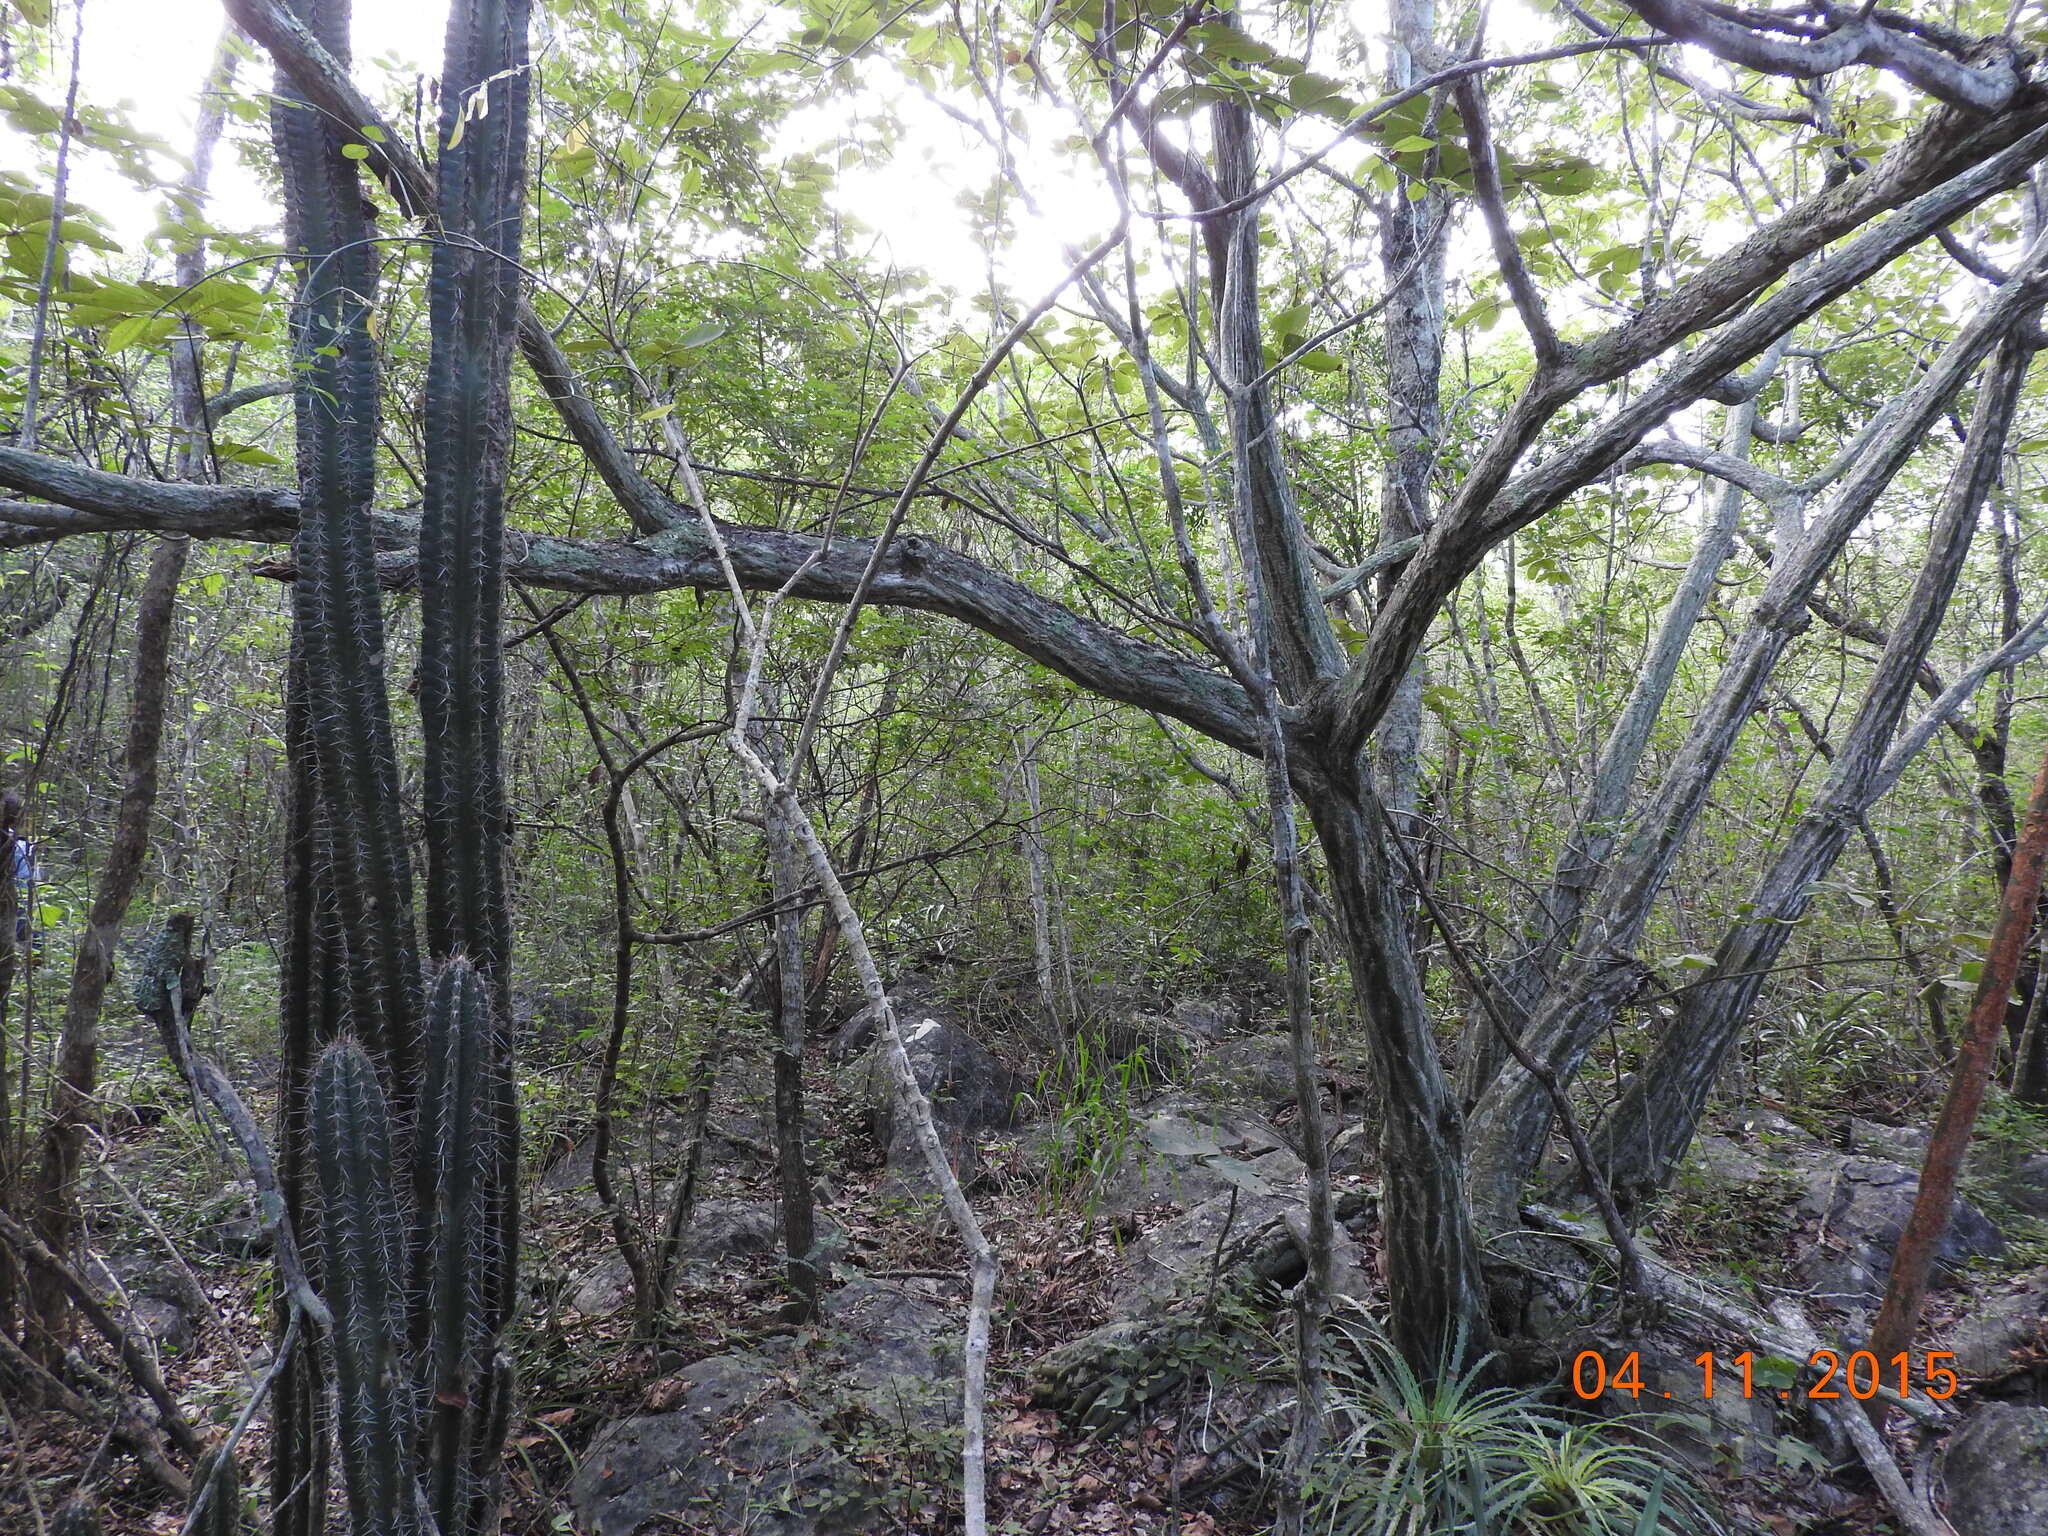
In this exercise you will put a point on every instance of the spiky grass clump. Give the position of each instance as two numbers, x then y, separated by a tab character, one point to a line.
1453	1457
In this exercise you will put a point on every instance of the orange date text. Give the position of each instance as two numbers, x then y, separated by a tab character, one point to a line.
1825	1373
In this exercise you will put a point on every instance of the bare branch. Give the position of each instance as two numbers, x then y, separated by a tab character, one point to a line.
1985	82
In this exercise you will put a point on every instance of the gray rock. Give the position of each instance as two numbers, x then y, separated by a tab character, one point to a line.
892	1356
1996	1472
227	1226
1152	1047
1857	1207
755	1444
1716	1159
1353	1152
722	1461
1723	1433
604	1289
1210	1019
1899	1143
968	1088
163	1321
2024	1186
719	1232
1986	1337
159	1299
1258	1069
1188	1244
1183	1152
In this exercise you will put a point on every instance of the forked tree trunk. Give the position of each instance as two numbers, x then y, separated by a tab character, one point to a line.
1552	923
1512	1120
1652	1126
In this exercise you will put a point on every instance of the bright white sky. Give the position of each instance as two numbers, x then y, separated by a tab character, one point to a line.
153	53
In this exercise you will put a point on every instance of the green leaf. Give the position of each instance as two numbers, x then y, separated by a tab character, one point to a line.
701	334
362	151
247	453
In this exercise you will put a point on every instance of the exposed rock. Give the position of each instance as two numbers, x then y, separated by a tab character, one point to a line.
896	1354
1352	1151
1738	1434
724	1229
1996	1472
1186	1249
1899	1143
967	1086
1210	1019
160	1300
1258	1069
1183	1152
1153	1047
1104	1375
1101	1001
1986	1338
970	1091
1858	1207
227	1226
718	1232
766	1442
722	1461
1849	1209
2025	1186
604	1289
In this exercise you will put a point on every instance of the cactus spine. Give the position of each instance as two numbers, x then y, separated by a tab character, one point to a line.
218	1481
456	1144
366	1268
420	1391
411	1131
350	952
470	1118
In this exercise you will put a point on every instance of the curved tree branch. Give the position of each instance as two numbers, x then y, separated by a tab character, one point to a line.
1983	78
917	572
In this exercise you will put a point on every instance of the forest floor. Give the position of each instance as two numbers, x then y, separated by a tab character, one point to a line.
1075	1205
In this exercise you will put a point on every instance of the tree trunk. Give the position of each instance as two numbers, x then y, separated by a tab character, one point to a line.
1553	923
1652	1126
76	1069
1512	1120
1913	1260
1435	1290
786	884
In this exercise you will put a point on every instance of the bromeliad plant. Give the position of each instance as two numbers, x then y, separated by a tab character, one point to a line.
1450	1456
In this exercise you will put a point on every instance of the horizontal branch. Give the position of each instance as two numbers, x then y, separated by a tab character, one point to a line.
916	573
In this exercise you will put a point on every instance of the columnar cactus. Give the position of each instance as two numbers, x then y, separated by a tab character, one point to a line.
454	1329
338	613
365	1269
417	1379
473	296
403	1106
474	301
218	1482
